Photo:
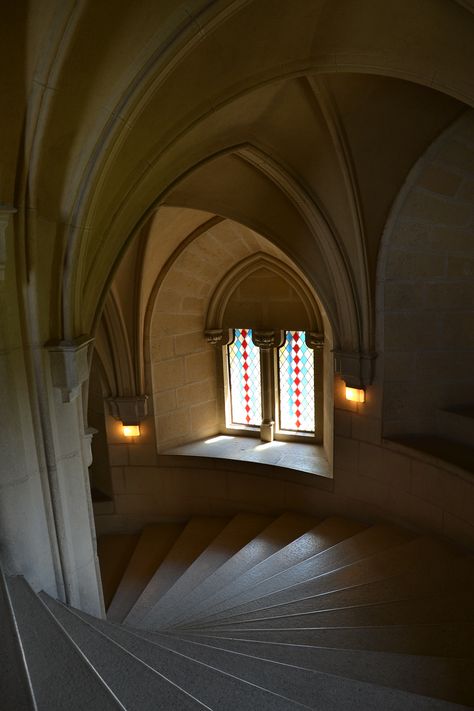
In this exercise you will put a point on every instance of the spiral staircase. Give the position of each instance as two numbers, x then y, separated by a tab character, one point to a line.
251	612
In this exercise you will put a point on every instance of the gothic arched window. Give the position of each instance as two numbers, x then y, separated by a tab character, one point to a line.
243	359
270	381
296	384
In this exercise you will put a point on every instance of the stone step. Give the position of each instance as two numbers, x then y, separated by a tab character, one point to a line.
450	608
137	685
15	683
152	547
323	536
442	678
419	553
114	551
238	532
447	576
275	536
146	676
195	537
61	677
312	689
364	544
439	640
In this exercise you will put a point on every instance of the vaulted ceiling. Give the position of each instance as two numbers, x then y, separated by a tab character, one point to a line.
300	120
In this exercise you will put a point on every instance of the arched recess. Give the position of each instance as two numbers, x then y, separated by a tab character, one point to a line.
183	368
426	288
272	202
305	308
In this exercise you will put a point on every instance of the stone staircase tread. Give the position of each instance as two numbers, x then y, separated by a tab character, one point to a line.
277	534
253	612
61	676
296	687
209	687
150	550
360	546
194	538
442	678
326	534
136	684
453	608
238	532
15	683
413	555
438	639
452	576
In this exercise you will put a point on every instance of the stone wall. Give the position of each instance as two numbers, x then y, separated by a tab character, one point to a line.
373	481
426	289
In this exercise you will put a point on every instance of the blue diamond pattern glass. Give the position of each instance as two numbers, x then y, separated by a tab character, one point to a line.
296	378
244	372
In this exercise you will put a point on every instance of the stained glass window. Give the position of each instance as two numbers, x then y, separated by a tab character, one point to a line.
244	371
296	375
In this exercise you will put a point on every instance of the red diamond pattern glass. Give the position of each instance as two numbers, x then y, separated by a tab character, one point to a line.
296	376
244	372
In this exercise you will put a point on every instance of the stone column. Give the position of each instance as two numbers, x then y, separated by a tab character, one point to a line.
27	534
220	337
69	458
267	341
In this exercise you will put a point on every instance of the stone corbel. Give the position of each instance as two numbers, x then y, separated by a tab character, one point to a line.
87	445
129	410
314	340
218	336
355	368
69	365
268	339
6	212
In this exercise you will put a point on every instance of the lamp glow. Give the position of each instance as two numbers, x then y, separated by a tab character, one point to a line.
355	394
131	430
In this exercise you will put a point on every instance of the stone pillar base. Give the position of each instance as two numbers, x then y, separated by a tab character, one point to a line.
267	431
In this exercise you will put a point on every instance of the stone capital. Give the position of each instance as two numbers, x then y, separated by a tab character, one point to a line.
314	340
69	365
267	339
218	336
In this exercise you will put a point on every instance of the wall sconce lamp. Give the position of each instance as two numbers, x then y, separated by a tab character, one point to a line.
131	430
355	394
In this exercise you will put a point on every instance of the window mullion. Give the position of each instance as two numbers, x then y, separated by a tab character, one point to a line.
267	341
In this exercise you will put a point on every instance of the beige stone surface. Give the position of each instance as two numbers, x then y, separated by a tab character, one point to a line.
170	374
438	179
147	148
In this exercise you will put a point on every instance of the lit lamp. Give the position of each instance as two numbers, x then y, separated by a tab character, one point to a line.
355	394
131	430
